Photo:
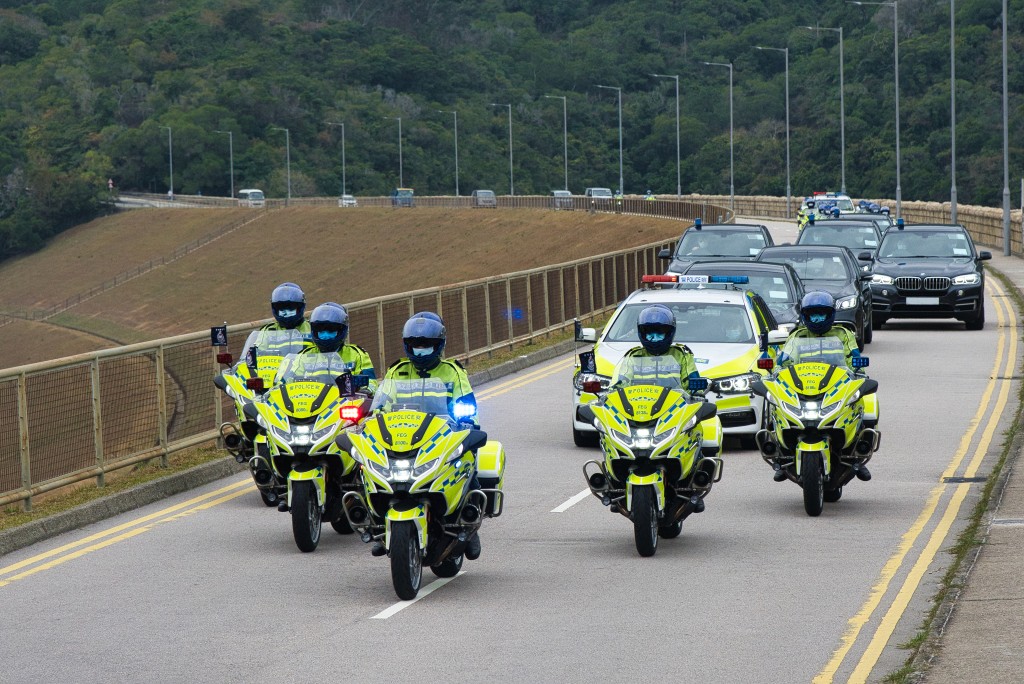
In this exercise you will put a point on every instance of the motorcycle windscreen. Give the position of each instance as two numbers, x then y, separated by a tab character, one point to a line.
824	349
426	395
660	371
312	366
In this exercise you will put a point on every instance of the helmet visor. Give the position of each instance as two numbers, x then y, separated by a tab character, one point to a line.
285	312
327	334
654	336
817	317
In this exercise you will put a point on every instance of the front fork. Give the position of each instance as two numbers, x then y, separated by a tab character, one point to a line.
821	447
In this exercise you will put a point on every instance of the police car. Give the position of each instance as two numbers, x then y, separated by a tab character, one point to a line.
726	327
824	201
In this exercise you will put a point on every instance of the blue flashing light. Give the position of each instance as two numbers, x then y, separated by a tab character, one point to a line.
860	361
697	384
899	223
463	409
736	279
697	223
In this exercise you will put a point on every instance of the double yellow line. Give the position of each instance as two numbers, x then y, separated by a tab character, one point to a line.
1006	355
101	540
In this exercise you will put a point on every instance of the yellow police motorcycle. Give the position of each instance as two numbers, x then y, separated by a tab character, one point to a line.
822	418
313	399
417	463
656	470
262	355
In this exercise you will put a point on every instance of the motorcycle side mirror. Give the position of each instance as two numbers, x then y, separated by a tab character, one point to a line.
592	386
225	358
255	384
585	414
707	410
870	386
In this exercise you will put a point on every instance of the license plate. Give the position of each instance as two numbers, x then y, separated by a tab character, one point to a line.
923	301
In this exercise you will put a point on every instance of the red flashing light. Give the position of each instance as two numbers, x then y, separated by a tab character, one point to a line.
224	358
254	384
659	279
353	413
592	386
766	364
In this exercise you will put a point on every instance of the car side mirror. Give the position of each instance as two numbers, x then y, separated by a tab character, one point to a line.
777	336
984	256
665	253
587	335
865	256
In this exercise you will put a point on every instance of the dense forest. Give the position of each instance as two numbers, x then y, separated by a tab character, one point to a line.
96	89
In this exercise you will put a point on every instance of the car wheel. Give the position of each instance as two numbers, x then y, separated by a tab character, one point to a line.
877	321
978	322
869	332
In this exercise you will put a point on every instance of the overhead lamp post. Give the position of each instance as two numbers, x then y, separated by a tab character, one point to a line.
288	160
952	111
679	167
565	134
511	187
789	193
344	186
842	104
896	57
1006	150
170	159
456	115
732	180
401	176
619	91
231	159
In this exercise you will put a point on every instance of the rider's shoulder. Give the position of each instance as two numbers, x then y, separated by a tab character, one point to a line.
454	363
683	348
269	326
356	348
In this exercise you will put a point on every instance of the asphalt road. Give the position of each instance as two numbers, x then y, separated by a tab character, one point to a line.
209	586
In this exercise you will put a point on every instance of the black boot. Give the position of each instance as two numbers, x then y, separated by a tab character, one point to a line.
780	474
473	547
378	549
862	472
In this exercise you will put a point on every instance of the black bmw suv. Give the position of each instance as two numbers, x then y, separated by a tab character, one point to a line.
929	271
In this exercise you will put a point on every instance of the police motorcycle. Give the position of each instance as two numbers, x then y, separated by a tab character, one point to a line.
313	399
822	418
417	455
264	350
656	469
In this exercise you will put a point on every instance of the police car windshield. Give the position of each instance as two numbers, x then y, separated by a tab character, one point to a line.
703	322
921	243
721	243
426	395
774	289
662	371
312	367
852	236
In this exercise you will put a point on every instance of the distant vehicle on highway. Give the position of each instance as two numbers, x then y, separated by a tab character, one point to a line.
599	194
484	199
402	197
561	199
251	197
347	201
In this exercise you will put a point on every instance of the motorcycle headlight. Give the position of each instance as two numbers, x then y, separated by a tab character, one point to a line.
735	384
810	410
401	470
967	279
879	279
847	302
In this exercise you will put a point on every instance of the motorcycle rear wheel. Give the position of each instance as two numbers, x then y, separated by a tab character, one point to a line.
406	561
306	519
645	520
812	480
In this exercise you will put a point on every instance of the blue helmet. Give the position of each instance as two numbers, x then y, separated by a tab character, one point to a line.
423	338
288	303
835	212
656	326
329	326
818	311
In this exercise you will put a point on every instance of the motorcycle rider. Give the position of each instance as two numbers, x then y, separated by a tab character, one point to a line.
288	304
329	329
423	338
817	316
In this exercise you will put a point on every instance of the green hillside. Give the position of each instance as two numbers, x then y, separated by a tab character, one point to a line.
89	89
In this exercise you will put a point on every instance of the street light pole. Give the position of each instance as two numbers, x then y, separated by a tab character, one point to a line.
619	91
511	186
455	114
565	134
679	167
1006	150
842	105
896	57
344	186
401	175
170	158
952	111
231	159
732	177
288	160
789	193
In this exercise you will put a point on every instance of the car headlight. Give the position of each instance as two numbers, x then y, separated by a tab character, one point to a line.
879	279
847	302
736	383
967	279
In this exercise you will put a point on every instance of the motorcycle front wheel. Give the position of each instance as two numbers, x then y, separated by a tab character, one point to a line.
645	520
813	482
306	520
406	561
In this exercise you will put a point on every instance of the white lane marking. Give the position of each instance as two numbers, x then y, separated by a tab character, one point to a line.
424	592
571	502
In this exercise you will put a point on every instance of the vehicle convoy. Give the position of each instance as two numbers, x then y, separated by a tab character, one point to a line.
314	397
822	418
713	242
859	235
417	456
656	468
263	352
777	284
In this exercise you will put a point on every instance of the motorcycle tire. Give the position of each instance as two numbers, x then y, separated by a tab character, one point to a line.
306	518
341	526
449	567
812	480
645	520
833	495
406	561
671	531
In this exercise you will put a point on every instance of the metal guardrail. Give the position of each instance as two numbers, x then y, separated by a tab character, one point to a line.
73	419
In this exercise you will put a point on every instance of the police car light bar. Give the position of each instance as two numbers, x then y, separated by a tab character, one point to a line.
659	279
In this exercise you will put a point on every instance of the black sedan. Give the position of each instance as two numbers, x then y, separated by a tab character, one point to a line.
837	271
859	235
929	271
716	242
777	284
